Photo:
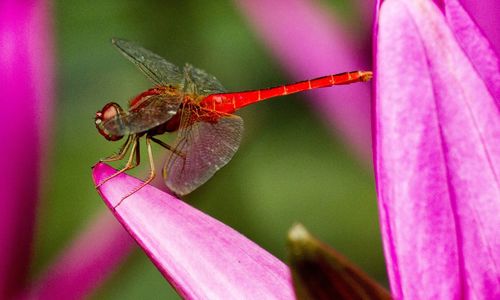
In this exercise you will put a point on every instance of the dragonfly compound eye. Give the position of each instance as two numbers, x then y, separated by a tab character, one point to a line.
106	118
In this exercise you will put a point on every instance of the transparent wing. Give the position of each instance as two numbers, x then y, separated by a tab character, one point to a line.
153	111
156	68
206	147
200	82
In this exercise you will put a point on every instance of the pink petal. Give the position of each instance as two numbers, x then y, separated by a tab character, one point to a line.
89	260
198	255
437	144
476	46
26	104
309	43
485	14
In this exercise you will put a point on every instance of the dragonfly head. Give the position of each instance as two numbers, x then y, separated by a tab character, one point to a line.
109	111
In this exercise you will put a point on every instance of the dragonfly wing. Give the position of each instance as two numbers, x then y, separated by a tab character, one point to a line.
156	68
206	147
153	111
200	82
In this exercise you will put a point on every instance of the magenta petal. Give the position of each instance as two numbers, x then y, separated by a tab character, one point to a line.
25	107
485	14
201	257
476	46
90	259
437	145
309	43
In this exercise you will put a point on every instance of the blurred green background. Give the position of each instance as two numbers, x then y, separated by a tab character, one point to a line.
289	167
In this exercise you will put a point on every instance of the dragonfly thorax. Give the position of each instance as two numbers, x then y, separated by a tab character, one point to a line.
109	111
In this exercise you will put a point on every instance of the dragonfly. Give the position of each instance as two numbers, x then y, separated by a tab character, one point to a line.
196	107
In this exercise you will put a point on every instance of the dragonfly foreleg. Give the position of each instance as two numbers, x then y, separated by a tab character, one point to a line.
152	172
131	163
121	152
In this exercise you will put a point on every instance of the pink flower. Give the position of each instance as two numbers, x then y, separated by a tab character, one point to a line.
27	86
437	152
436	155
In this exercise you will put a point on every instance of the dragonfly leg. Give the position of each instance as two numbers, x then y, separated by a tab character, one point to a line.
131	163
121	152
152	172
167	146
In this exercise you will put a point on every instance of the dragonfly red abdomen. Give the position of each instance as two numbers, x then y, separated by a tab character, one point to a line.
230	102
